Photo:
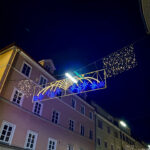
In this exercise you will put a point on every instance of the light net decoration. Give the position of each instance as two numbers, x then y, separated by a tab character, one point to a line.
26	86
119	61
91	81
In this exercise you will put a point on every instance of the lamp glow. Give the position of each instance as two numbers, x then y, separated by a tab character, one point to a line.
148	146
70	77
123	124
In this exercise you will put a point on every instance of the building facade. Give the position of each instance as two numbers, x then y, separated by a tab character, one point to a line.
62	124
67	123
110	135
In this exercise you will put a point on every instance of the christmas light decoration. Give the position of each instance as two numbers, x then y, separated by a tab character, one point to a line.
26	86
87	82
119	61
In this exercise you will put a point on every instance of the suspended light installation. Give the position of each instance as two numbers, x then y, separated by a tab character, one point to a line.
71	85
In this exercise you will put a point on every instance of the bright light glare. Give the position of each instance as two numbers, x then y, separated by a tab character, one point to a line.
71	78
123	123
148	146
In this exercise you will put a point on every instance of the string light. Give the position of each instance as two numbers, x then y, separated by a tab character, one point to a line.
119	61
26	86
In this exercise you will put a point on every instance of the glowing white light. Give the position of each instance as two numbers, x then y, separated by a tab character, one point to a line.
148	146
70	77
123	123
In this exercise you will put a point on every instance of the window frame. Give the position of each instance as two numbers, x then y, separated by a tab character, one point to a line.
91	115
12	133
73	125
71	146
42	76
99	143
26	140
12	96
40	110
54	140
81	110
24	62
80	130
73	99
58	116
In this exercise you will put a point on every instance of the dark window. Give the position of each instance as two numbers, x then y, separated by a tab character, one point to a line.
55	117
73	103
83	109
82	130
43	81
71	125
26	69
91	134
91	115
108	130
100	124
98	141
105	144
112	148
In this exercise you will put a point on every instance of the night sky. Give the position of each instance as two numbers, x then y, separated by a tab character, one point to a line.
76	33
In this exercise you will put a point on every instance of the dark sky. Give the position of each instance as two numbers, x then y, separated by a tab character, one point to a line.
76	33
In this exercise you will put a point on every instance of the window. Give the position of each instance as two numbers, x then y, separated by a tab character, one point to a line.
71	125
51	144
73	103
91	134
83	109
112	147
98	141
7	132
37	108
116	134
108	130
82	130
100	124
55	117
17	97
26	69
91	115
105	144
69	147
43	81
31	139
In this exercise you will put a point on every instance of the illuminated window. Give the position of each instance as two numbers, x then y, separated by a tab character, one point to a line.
37	108
91	134
73	103
7	132
70	147
43	81
26	69
100	124
31	139
98	141
82	130
51	144
105	144
83	109
91	115
55	117
71	125
17	97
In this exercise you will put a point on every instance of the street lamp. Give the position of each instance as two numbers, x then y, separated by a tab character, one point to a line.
123	124
71	78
